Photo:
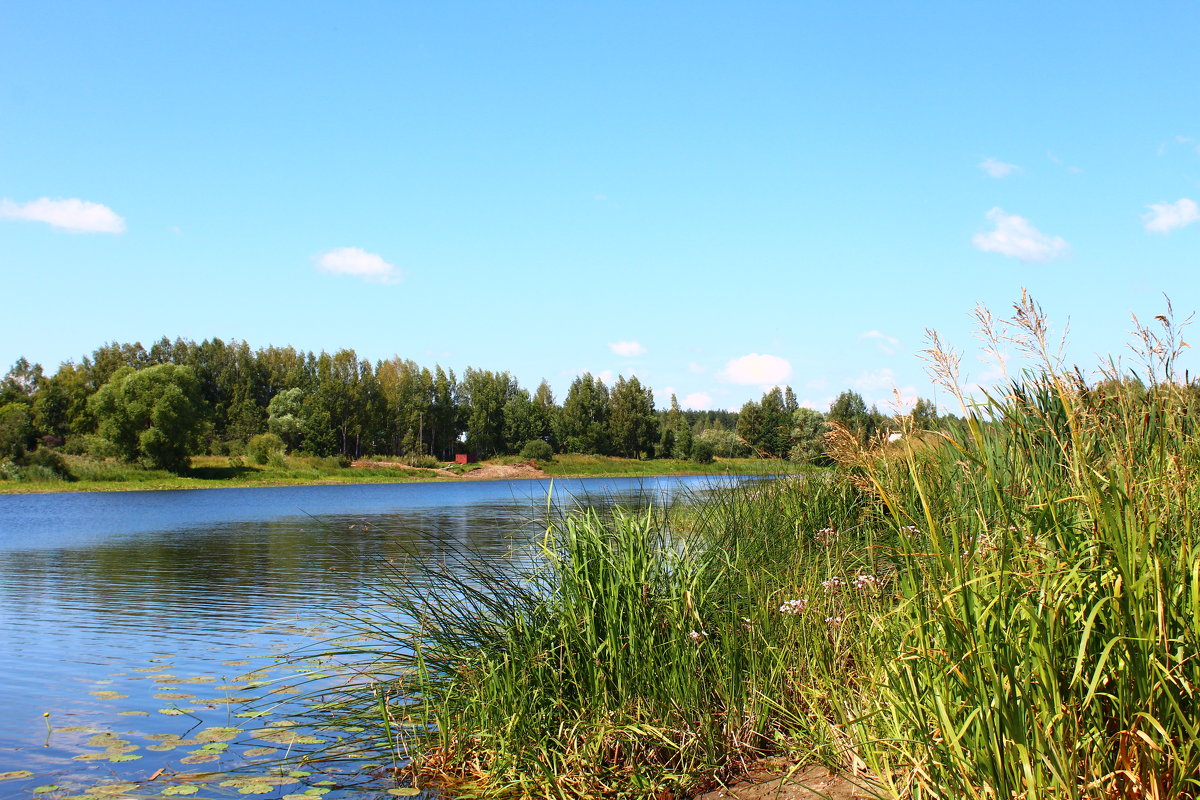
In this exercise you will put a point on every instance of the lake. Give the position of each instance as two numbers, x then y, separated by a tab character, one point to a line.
153	627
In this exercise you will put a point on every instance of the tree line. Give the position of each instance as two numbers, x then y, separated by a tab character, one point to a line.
161	404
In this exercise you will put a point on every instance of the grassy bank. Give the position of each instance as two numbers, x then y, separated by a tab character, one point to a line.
219	472
1011	611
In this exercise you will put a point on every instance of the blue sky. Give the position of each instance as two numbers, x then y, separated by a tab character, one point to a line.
715	197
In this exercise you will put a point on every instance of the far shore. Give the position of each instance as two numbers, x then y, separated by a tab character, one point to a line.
207	474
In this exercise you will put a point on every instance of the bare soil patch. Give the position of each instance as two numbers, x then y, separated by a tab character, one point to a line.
487	472
505	472
766	783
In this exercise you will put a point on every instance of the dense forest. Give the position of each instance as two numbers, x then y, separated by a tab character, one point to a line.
178	398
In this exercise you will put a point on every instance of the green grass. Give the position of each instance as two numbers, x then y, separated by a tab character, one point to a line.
213	472
210	472
1009	611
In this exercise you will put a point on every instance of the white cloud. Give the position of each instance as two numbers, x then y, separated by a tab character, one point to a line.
996	168
696	369
359	263
874	380
1014	237
755	369
887	344
698	401
627	349
1166	217
74	215
606	375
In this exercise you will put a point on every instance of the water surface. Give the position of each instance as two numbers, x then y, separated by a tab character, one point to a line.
156	614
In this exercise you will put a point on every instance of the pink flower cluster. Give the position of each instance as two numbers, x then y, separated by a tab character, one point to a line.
794	606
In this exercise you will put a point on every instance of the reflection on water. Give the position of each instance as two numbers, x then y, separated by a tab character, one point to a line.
98	590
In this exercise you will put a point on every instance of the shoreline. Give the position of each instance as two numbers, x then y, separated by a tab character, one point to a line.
184	483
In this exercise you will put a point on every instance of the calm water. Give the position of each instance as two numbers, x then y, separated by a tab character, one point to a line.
135	617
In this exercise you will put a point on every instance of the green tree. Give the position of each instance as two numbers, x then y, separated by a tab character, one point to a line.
633	426
21	383
60	406
925	415
808	436
285	417
522	421
16	430
484	395
850	410
155	415
583	421
752	427
547	410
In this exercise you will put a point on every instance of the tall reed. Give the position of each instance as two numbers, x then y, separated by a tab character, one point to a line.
1010	609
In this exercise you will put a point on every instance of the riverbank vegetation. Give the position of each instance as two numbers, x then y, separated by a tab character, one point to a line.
86	474
159	408
1010	609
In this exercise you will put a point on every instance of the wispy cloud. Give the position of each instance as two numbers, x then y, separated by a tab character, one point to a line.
696	369
699	401
1167	217
994	168
358	263
73	214
627	349
879	388
754	369
1015	237
886	344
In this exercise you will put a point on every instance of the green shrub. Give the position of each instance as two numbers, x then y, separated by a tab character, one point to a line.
422	460
702	450
261	447
49	462
725	444
537	450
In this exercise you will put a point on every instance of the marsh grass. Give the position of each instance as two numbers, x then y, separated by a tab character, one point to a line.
1007	610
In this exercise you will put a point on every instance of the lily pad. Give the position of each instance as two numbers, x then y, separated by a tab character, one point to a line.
50	787
199	758
173	712
105	739
21	773
133	713
108	694
123	757
173	696
255	752
288	737
404	791
182	788
112	789
217	734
